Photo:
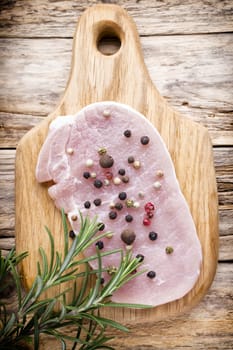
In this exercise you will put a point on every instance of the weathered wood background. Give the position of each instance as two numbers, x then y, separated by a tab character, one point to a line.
188	49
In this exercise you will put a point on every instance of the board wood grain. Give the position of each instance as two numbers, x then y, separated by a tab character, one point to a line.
173	17
194	73
121	77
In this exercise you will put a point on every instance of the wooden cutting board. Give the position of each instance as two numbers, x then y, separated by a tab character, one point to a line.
121	77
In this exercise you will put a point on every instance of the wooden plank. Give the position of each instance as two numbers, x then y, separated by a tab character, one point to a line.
7	222
223	159
7	243
42	18
192	72
13	126
225	220
223	138
226	248
33	64
224	174
192	69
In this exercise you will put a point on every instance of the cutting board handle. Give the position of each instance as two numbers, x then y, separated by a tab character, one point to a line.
104	21
102	75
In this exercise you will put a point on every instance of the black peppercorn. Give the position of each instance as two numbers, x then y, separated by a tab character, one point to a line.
101	226
128	236
122	196
112	215
151	274
128	218
98	183
145	140
130	159
97	202
87	204
140	257
153	236
72	234
86	174
127	133
121	172
118	206
100	244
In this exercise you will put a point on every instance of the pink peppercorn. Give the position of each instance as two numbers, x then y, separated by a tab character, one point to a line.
149	207
146	222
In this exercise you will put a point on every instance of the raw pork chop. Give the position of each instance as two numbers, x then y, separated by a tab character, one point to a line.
110	161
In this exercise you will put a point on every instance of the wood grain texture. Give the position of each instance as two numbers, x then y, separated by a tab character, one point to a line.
14	126
225	249
192	72
44	18
122	77
160	24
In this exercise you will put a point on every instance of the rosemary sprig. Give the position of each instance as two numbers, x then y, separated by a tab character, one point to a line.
36	315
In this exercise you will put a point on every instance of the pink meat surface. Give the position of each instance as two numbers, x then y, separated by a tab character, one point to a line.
74	146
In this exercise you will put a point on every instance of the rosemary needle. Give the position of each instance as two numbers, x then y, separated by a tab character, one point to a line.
35	316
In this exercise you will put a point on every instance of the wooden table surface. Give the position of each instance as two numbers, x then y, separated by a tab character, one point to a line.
188	49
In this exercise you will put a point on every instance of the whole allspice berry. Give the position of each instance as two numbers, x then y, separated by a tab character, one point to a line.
106	161
128	236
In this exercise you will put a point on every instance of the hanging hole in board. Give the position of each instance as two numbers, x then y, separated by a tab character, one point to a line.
108	42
